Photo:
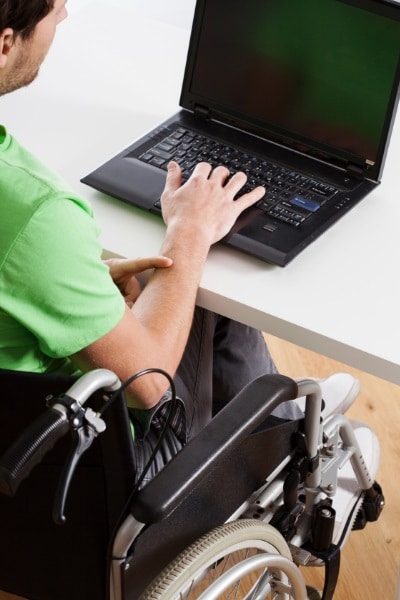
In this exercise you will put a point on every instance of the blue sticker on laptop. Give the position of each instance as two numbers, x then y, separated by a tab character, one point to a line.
305	203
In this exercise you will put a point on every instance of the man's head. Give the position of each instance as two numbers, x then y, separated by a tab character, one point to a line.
22	16
27	28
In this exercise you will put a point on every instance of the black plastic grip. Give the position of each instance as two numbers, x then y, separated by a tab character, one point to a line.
29	449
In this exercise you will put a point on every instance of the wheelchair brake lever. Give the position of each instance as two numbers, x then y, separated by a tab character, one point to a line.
86	425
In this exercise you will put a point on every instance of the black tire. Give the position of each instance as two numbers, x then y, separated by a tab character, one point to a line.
193	571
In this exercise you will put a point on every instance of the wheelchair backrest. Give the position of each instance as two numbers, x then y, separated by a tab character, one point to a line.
42	560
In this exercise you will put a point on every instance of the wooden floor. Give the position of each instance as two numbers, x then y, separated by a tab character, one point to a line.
371	557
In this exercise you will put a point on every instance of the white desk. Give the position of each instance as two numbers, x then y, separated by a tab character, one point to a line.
115	70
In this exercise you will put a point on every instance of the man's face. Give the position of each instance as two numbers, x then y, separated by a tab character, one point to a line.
28	54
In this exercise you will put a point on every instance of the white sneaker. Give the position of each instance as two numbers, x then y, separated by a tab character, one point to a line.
339	391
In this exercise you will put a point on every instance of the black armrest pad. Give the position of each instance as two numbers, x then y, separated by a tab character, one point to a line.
226	431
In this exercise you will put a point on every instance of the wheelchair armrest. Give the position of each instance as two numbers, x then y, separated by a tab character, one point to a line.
161	496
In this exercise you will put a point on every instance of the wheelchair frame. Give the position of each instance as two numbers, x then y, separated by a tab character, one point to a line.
266	494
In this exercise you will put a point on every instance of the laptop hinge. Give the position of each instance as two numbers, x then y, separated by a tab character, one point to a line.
201	112
355	170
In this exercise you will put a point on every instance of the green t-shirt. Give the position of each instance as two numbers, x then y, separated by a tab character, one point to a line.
56	295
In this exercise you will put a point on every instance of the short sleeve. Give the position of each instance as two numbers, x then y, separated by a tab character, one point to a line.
57	285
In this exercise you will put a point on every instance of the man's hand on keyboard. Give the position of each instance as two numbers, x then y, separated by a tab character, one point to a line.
206	200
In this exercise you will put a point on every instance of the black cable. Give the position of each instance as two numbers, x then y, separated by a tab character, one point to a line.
168	418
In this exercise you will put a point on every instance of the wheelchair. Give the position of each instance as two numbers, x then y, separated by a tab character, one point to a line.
236	513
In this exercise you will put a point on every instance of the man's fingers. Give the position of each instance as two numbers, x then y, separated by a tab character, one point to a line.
220	174
202	169
236	182
130	266
174	177
251	197
136	265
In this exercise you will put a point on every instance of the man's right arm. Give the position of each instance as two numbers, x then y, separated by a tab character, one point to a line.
154	333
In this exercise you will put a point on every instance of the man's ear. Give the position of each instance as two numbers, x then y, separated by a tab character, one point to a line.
6	43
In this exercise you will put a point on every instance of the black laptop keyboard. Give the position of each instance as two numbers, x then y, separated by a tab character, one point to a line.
290	196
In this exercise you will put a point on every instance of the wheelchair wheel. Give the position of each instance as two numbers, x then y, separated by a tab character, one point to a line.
226	557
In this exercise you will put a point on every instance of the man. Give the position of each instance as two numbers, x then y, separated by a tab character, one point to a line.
60	311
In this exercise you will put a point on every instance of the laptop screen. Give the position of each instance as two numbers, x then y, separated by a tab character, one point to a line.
319	72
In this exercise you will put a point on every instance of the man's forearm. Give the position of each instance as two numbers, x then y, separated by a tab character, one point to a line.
165	307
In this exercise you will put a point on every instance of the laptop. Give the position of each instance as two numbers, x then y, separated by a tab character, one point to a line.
300	94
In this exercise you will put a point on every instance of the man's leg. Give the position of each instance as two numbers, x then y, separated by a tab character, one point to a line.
241	355
221	357
194	376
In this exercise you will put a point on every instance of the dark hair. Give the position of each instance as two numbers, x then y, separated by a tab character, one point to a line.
23	15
